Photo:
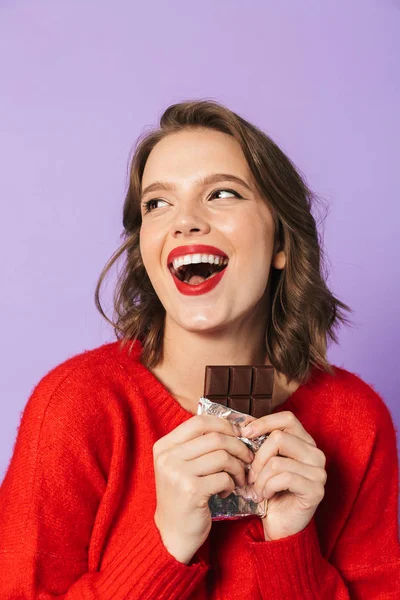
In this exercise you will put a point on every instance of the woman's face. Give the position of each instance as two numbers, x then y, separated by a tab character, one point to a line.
186	213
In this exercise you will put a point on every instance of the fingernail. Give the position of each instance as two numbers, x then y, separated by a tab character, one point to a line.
251	477
248	430
254	496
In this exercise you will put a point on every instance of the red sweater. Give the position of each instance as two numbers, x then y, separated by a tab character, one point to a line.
78	498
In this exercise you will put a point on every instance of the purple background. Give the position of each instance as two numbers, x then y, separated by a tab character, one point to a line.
81	80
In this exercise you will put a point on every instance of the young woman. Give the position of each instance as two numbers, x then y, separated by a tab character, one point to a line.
106	495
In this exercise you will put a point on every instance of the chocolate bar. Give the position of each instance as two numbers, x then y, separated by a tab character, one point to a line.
245	388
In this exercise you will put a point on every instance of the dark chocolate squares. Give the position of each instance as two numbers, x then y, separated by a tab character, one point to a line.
245	388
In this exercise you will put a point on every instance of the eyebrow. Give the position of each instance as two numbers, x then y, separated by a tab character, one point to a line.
207	179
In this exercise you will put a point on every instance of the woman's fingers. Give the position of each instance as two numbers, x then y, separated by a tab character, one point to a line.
216	462
207	445
216	441
310	492
218	483
285	420
278	465
285	444
195	427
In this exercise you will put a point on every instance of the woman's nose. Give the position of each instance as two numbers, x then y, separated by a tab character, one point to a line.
189	222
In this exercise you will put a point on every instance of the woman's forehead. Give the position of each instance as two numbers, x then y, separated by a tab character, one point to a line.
191	164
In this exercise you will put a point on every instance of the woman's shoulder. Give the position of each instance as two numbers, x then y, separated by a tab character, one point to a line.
351	399
99	362
85	383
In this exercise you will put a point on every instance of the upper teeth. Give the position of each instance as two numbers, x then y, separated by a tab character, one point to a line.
188	259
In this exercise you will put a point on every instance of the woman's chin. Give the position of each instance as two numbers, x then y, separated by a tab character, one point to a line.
202	324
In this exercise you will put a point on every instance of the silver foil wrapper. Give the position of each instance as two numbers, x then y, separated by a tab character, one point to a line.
240	503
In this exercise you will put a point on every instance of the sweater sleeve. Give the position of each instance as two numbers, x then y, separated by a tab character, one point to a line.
365	562
50	501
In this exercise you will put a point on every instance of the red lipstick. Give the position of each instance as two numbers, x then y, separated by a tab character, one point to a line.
207	285
194	249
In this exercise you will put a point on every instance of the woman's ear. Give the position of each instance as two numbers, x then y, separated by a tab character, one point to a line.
279	260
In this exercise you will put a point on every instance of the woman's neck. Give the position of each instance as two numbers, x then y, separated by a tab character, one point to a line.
186	355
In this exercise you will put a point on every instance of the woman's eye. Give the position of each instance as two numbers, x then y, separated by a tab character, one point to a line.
226	191
149	204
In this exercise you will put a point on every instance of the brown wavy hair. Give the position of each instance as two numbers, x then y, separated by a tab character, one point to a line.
303	312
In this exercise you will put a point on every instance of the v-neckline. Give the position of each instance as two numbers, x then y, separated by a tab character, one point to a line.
182	414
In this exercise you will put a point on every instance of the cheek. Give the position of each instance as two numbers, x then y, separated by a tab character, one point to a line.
252	239
149	248
143	247
253	254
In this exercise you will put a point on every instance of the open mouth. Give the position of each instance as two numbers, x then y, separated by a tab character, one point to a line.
196	273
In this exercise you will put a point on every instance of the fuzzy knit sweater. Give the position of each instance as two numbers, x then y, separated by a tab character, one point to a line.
78	497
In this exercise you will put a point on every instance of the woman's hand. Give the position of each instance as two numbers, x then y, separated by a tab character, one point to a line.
288	470
201	457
